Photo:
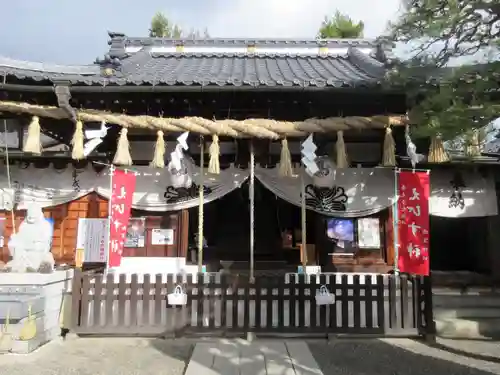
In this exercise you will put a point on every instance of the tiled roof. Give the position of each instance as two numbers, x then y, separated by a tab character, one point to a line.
218	62
50	72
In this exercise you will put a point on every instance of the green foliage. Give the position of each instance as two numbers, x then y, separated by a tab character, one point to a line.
161	27
340	26
450	101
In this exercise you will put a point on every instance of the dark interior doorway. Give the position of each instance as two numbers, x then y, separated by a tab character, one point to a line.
227	227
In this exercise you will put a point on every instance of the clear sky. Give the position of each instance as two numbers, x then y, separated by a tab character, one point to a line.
72	31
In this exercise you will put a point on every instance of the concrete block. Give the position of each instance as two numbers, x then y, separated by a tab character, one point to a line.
44	293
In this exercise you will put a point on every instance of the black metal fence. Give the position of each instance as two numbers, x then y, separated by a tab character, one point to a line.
383	305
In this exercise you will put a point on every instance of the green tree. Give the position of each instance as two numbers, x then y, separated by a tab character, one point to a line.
340	26
459	99
162	27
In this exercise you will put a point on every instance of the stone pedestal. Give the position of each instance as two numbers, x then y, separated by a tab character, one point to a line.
43	294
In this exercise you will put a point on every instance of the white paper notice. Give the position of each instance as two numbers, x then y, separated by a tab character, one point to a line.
369	233
162	236
92	237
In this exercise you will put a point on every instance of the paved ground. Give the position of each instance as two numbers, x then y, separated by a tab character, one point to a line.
130	356
407	357
101	356
260	357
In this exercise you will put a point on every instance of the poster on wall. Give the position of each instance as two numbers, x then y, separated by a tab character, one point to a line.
413	222
369	233
136	232
162	236
341	233
91	239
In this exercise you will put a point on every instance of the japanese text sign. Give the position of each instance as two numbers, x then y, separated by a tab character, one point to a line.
123	186
413	222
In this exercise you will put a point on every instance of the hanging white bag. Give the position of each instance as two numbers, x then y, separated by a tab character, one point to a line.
324	297
177	297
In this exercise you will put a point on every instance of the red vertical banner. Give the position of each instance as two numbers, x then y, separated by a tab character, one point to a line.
123	188
413	222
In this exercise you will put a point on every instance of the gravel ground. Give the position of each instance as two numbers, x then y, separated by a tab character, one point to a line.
102	356
407	357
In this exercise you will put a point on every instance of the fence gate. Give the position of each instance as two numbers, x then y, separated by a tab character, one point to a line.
222	305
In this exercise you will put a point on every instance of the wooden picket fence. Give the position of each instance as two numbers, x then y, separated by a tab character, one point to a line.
224	305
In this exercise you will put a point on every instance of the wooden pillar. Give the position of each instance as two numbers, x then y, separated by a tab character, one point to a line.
184	233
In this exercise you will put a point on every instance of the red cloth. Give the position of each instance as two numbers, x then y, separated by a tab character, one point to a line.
413	222
123	184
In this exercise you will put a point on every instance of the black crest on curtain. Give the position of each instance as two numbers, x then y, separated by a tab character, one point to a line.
324	199
183	194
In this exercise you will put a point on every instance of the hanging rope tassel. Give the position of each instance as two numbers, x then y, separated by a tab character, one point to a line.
77	142
389	154
472	146
159	155
214	151
341	151
122	156
33	143
437	153
285	169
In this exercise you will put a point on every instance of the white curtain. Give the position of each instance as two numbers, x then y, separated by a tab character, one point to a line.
46	186
357	192
353	192
457	193
154	191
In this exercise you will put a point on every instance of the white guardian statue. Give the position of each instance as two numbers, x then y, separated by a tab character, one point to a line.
30	246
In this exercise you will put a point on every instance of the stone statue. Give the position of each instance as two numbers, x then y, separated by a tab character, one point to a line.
30	246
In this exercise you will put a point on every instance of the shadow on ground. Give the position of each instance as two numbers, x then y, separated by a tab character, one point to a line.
370	357
374	357
178	349
448	346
